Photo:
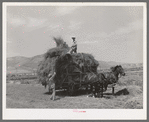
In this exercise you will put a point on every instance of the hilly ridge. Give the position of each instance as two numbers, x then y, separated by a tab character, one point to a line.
22	64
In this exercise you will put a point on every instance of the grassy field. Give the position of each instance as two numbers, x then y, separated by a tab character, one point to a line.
128	95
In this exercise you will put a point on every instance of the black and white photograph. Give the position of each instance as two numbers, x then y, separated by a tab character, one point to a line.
74	60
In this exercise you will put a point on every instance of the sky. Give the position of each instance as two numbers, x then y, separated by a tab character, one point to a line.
109	33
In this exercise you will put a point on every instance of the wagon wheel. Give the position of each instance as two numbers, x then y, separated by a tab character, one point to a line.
71	89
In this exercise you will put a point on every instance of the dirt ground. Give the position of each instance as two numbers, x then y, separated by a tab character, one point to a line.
128	95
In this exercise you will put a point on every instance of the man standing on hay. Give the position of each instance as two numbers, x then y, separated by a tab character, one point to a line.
73	47
52	85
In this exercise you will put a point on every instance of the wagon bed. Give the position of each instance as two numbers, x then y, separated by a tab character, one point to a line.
72	85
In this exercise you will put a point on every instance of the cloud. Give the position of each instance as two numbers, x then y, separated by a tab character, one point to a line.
11	53
35	21
53	27
56	27
17	21
9	40
121	32
74	25
88	42
60	11
28	22
133	26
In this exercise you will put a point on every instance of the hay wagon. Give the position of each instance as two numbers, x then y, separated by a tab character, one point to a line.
70	69
72	85
74	81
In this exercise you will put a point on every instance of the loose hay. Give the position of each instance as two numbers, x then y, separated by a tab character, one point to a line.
135	102
134	90
57	59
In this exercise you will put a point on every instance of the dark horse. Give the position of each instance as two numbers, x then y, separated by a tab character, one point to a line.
95	83
112	77
104	79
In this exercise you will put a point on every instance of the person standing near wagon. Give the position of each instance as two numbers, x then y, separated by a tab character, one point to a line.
52	85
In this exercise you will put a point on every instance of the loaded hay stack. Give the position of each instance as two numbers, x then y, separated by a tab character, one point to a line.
57	59
47	65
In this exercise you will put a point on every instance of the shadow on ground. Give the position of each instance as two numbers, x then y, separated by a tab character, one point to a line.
122	92
63	93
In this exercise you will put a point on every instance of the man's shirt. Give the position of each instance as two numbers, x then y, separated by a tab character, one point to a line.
74	45
53	86
51	82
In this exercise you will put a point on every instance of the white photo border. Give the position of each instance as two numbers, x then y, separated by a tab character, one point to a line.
68	114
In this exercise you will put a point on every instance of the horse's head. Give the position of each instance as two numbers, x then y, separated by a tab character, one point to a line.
120	70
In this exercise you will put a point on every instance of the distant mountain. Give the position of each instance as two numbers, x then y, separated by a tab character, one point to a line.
21	64
33	62
107	65
104	65
16	61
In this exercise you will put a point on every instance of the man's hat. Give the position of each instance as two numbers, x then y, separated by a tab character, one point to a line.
73	37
